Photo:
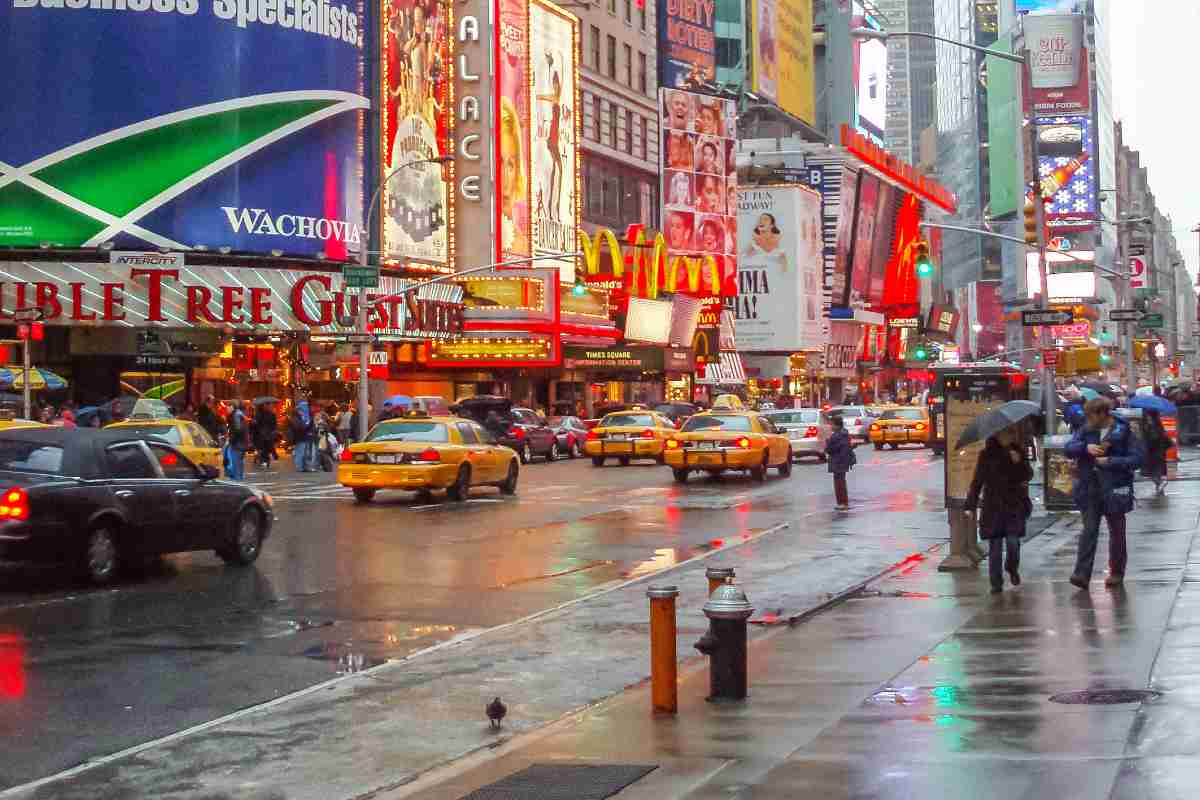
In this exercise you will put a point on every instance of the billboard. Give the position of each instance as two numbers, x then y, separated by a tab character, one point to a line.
1058	74
554	62
782	63
869	72
1004	153
687	43
151	134
414	83
780	265
843	262
512	132
699	177
1046	6
1068	177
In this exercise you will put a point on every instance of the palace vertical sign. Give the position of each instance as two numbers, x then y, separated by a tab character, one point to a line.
474	186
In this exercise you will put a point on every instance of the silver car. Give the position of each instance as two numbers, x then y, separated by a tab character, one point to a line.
808	429
857	420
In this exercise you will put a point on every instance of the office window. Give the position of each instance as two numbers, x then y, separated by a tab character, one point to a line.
628	131
612	57
612	7
612	126
642	126
628	11
642	73
627	51
595	48
595	118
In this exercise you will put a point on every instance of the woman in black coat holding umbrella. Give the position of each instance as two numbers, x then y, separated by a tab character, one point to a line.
1002	478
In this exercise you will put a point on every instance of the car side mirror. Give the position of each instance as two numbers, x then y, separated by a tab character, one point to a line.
208	472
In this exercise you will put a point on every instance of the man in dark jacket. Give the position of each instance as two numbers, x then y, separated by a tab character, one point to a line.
1106	454
1002	477
208	418
839	453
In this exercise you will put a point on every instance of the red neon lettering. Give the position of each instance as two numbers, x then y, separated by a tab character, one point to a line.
114	303
198	298
155	277
20	296
260	305
47	295
77	309
231	301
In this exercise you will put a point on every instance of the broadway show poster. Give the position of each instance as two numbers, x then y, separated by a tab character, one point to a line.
415	79
865	219
687	43
512	131
554	66
844	252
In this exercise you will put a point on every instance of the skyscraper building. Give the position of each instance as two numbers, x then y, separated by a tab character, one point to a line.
912	76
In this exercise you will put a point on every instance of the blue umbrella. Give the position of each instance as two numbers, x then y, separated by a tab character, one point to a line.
398	400
1088	394
1153	402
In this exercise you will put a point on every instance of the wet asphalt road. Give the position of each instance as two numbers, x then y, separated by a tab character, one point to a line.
87	672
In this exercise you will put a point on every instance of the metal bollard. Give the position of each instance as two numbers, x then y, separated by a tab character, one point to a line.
727	610
664	684
718	576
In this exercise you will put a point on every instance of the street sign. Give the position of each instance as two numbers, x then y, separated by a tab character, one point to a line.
1036	319
1137	272
359	338
1050	357
1137	249
1151	321
356	276
1125	315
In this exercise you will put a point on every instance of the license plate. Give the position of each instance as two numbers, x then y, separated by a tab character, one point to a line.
707	445
617	437
620	448
385	459
706	458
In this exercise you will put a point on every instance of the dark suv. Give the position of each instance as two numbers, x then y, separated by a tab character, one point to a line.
522	429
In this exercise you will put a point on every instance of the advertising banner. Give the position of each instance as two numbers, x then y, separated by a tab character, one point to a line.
870	77
1068	177
1058	74
699	177
687	43
512	131
1004	121
217	123
782	61
415	87
844	256
779	269
553	37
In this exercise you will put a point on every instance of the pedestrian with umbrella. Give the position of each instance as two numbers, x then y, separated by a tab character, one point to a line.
1157	443
1107	454
266	430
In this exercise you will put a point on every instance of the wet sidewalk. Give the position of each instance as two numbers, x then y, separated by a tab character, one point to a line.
926	685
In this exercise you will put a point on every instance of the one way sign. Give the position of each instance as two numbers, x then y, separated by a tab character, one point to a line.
1125	315
1036	319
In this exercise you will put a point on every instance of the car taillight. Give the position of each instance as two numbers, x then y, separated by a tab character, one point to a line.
15	505
647	434
874	426
516	433
811	433
743	443
347	456
672	444
592	436
920	426
428	456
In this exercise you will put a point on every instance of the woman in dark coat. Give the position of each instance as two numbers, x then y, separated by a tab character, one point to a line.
1157	444
1002	477
839	453
266	433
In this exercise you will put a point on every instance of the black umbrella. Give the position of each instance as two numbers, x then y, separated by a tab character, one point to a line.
265	400
989	424
1100	387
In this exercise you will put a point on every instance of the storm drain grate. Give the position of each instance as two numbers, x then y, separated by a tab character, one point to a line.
1105	697
563	782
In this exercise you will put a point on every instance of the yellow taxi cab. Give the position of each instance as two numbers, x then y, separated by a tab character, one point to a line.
421	453
900	425
9	422
721	440
625	435
729	401
188	437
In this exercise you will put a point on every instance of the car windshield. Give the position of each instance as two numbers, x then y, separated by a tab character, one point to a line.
409	432
22	456
713	422
903	413
168	432
627	420
794	417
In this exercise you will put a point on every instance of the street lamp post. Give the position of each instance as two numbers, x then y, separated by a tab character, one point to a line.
364	350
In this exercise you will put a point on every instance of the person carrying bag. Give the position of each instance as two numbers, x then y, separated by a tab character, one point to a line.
1002	477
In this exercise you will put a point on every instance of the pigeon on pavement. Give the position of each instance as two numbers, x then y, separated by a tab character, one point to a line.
496	712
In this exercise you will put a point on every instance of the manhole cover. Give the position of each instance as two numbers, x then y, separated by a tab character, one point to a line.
563	782
1105	697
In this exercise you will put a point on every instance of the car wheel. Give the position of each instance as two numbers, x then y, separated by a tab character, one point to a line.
894	446
246	541
681	475
364	495
526	453
785	469
101	559
624	461
461	487
660	459
553	454
878	446
510	483
759	473
597	461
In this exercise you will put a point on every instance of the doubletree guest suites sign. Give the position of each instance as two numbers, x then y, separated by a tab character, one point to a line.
152	134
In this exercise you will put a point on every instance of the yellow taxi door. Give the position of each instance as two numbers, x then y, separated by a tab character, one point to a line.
204	449
777	445
483	468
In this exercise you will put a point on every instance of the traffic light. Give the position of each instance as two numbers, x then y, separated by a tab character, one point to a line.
923	264
580	288
1031	224
920	354
37	331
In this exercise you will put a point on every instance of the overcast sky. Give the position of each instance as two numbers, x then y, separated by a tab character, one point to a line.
1153	45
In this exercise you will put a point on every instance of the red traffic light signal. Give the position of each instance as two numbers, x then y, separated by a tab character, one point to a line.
37	331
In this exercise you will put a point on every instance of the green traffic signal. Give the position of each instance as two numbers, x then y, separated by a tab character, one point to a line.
924	265
920	354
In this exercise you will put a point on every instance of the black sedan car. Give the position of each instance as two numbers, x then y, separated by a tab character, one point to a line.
521	429
95	499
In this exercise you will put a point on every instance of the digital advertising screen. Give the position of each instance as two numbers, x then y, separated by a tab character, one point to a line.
843	262
1068	175
687	43
870	77
866	218
140	127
